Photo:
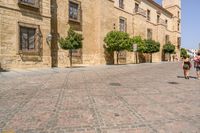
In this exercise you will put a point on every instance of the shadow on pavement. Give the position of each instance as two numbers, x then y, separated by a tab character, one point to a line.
189	77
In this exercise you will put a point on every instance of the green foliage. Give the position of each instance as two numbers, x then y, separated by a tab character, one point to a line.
117	41
72	41
140	44
151	46
169	48
183	52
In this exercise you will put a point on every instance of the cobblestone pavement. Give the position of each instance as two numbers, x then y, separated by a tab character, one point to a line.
144	98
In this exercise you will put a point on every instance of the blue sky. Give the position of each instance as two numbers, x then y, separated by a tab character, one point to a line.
190	23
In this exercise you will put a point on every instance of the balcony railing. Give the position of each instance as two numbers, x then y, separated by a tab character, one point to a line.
140	11
162	22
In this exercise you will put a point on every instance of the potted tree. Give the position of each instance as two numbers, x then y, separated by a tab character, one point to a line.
72	41
116	41
169	49
151	47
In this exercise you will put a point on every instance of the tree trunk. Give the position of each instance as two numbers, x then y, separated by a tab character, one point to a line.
168	56
117	56
151	58
70	57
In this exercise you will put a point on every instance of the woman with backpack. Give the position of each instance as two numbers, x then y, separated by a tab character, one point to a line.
186	67
197	64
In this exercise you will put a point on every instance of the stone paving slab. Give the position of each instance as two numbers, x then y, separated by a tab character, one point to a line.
142	98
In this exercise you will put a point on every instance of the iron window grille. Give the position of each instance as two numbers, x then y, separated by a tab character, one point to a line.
74	11
30	38
122	24
148	15
121	4
149	34
32	3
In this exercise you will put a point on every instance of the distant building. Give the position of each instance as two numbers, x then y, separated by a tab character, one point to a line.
25	25
192	52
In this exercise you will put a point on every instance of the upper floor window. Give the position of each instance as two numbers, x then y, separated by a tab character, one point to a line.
166	22
27	39
74	11
136	7
149	34
33	3
178	14
179	42
122	24
121	4
167	39
148	15
178	26
158	18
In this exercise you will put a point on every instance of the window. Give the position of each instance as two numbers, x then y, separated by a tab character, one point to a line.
148	15
149	33
122	24
179	42
167	39
158	19
121	4
27	39
178	14
178	26
166	22
33	3
136	7
74	11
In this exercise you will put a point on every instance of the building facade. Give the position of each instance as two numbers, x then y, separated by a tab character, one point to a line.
25	25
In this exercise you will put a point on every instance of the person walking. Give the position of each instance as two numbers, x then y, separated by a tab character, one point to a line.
197	64
186	67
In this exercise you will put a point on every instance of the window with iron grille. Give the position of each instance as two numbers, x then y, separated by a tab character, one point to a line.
121	4
122	24
178	14
149	34
179	42
27	39
33	3
74	11
166	39
148	15
136	7
178	26
158	19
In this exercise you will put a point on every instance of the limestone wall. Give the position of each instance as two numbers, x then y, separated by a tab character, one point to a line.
10	17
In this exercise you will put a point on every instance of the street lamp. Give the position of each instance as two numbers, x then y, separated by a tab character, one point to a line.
49	38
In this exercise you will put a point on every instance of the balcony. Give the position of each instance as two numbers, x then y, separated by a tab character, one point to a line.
162	22
140	11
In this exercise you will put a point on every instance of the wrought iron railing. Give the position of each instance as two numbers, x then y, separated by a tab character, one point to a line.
140	11
162	22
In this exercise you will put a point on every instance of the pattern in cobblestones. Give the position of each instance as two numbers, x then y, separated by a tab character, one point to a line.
140	98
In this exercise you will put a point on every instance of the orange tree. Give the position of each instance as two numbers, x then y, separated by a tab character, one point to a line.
72	41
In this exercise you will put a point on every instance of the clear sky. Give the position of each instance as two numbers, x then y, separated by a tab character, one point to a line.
190	23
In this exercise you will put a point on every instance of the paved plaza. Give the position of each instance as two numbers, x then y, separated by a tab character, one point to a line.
143	98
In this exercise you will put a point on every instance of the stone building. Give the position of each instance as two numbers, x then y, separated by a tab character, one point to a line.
24	25
35	19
